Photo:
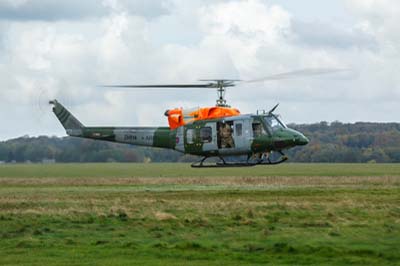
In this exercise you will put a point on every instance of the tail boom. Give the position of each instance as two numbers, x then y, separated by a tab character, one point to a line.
161	137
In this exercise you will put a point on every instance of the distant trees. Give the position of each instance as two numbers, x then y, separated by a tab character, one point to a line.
359	142
330	142
67	149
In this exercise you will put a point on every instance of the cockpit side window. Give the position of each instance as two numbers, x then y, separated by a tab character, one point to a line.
273	123
258	129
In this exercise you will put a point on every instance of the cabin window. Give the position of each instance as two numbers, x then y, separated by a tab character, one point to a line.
206	134
190	136
238	129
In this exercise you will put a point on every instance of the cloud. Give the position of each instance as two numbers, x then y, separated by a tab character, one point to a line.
50	10
380	19
244	28
320	34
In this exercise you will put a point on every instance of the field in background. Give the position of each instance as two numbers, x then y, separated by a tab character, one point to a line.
170	214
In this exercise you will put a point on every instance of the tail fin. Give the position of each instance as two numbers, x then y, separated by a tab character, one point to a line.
69	122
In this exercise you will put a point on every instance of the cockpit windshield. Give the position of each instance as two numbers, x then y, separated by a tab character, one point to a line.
274	123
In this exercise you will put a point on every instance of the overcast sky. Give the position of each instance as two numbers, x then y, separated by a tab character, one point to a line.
63	49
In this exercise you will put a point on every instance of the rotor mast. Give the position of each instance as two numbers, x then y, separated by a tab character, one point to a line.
221	85
221	90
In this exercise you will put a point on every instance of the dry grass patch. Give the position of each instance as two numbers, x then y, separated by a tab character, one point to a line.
163	216
275	181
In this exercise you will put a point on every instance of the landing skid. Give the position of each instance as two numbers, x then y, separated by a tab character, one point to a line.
222	163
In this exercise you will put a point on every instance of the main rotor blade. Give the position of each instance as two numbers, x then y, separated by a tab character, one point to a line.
221	80
162	86
300	73
224	83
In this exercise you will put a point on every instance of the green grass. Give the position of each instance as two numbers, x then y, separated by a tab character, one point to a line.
169	214
184	170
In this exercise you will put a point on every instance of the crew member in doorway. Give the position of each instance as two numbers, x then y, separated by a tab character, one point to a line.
226	136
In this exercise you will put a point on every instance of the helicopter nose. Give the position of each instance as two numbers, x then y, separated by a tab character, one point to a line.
301	140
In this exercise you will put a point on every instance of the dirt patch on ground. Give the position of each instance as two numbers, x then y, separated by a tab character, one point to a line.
163	216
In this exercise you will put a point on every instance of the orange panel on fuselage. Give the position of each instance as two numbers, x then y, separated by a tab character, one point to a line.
179	117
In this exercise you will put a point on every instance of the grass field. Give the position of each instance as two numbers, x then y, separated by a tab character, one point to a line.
170	214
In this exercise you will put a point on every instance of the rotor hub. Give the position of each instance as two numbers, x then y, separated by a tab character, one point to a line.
221	85
221	101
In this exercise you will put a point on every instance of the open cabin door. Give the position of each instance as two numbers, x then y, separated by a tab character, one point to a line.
233	136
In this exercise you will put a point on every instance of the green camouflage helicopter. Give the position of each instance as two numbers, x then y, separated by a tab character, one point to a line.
219	131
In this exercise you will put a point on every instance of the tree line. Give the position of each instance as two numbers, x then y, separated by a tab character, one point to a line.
353	143
329	142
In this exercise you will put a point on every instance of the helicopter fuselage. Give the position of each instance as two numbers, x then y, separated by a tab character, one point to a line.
238	135
235	135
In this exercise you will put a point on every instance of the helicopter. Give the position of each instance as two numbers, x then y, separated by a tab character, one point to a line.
219	131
